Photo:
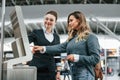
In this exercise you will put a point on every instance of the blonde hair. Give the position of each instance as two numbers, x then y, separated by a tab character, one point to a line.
83	30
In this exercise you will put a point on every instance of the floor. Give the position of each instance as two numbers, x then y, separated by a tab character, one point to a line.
113	77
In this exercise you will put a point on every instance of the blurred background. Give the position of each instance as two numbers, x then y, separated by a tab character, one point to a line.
103	16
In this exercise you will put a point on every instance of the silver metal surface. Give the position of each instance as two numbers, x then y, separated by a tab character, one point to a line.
21	40
2	37
20	73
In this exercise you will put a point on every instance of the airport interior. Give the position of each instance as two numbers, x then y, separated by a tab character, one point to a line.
20	17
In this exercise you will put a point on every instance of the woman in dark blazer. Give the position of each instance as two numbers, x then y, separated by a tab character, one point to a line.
43	37
82	47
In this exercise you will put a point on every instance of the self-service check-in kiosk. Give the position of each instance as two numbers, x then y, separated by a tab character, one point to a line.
21	50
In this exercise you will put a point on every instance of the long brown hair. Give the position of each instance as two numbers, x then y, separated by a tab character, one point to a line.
83	29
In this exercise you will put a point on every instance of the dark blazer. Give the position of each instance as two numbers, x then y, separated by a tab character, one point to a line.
43	62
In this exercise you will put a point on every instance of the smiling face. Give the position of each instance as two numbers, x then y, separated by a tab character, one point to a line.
77	25
49	21
73	23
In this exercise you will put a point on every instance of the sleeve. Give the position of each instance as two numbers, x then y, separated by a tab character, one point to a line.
31	37
57	56
56	49
93	50
76	57
57	40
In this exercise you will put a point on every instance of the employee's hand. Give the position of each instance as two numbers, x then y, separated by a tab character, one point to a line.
37	48
58	76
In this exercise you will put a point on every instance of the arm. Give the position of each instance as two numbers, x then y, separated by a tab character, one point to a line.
58	64
60	48
92	53
55	49
58	72
32	36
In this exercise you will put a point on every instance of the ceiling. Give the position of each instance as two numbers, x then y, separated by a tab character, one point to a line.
107	12
42	2
108	15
